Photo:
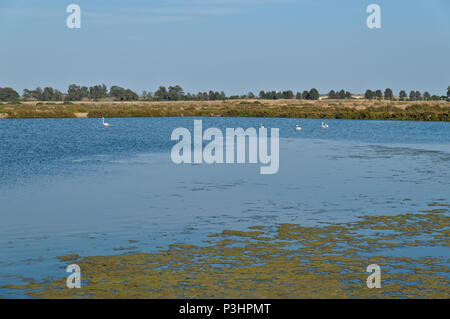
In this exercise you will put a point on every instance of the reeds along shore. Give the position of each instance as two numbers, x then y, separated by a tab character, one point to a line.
326	109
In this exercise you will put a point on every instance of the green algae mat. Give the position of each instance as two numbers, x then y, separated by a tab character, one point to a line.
279	261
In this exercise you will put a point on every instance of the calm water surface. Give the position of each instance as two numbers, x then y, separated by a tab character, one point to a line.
72	186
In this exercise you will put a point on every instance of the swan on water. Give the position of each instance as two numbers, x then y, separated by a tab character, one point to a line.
324	125
104	123
298	128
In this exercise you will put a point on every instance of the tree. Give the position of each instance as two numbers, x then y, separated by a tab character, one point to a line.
369	95
332	94
33	94
8	94
250	95
412	96
122	94
74	93
348	95
47	95
418	96
305	95
448	93
115	91
175	93
378	94
341	94
314	94
97	92
426	96
435	97
50	94
402	95
298	96
161	94
287	94
84	92
262	94
388	95
275	95
211	96
27	94
131	95
223	96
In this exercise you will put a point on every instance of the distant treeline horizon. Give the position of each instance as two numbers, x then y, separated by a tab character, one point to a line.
176	93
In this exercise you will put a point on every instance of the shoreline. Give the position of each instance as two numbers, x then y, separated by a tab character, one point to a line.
322	109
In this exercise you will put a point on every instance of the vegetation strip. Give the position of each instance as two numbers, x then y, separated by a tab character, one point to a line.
329	109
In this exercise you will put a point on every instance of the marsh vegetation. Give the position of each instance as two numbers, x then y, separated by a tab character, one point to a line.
329	109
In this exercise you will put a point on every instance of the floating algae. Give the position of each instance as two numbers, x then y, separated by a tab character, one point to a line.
281	261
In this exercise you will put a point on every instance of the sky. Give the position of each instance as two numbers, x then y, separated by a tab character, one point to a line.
236	46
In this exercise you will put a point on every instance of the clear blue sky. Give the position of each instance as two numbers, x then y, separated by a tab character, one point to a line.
232	45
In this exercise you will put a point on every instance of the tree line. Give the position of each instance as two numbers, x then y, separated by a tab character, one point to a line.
341	95
403	96
176	93
312	94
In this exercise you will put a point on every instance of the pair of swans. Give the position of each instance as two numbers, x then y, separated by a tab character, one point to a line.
324	126
297	128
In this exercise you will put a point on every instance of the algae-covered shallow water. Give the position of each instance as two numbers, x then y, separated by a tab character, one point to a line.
69	186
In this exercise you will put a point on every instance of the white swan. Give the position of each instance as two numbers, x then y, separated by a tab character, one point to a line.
324	125
262	126
104	123
298	128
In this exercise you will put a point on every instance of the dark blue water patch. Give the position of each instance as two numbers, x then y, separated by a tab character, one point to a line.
63	146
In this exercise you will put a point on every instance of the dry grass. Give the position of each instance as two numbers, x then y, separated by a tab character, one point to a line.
360	104
348	109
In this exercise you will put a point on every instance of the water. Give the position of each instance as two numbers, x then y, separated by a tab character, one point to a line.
72	186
